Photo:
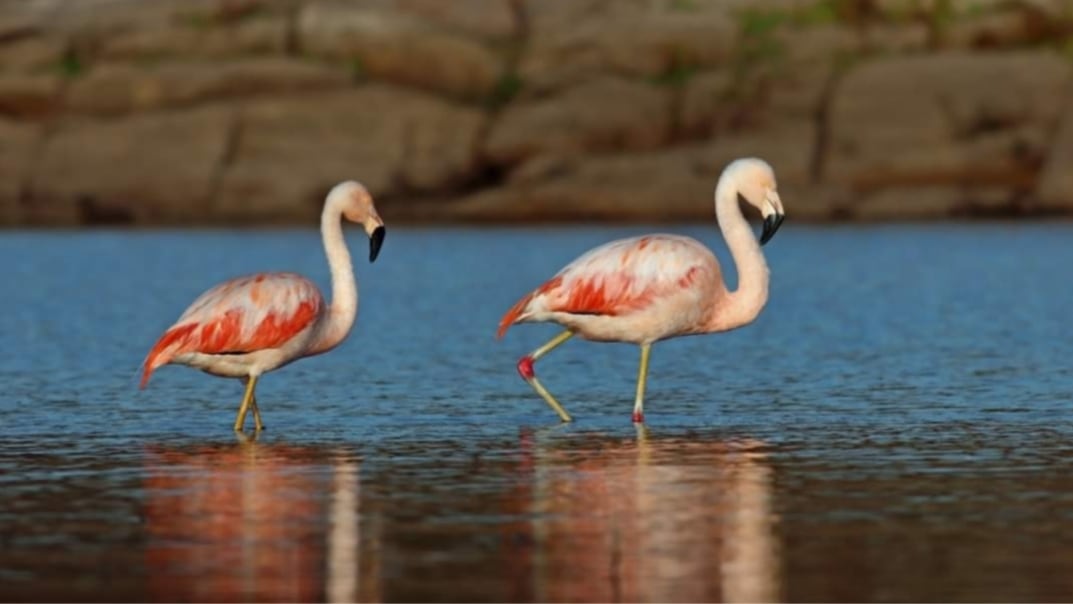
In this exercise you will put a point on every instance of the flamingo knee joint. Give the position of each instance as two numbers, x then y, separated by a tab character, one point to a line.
525	368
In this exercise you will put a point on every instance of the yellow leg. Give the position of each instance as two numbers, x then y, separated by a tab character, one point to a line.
240	419
525	368
257	423
642	377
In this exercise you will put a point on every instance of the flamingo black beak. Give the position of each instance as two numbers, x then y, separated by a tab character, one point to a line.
375	241
771	224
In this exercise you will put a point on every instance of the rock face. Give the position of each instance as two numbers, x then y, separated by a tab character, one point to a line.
398	48
606	113
189	111
120	89
150	168
18	146
573	40
296	149
662	186
963	122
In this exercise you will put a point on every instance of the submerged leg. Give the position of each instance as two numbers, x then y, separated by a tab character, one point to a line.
240	419
642	376
525	368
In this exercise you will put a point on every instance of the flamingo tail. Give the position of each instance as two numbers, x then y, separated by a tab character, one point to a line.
164	350
512	315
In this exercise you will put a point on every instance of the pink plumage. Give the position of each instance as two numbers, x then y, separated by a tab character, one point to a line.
242	315
246	327
646	289
628	279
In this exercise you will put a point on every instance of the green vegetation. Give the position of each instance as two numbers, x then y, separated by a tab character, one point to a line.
758	42
975	9
357	69
508	86
684	5
70	66
676	76
758	22
240	12
761	22
677	72
198	21
823	11
939	17
1065	47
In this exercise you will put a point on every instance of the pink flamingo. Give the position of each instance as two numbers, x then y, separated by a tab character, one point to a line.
247	326
650	288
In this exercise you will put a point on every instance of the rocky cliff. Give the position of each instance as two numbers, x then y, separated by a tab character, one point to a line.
201	111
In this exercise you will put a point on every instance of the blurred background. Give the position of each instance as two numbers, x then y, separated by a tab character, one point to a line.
247	111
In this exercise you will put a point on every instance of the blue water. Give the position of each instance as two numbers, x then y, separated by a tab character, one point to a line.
894	426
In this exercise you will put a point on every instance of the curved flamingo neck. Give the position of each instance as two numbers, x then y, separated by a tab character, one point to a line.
340	314
742	305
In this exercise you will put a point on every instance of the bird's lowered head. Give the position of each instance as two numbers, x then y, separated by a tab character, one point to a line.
755	181
356	205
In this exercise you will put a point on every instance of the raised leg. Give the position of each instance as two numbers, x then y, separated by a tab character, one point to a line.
525	368
642	376
247	398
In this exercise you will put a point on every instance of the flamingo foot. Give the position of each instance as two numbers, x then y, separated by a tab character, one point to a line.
525	368
638	417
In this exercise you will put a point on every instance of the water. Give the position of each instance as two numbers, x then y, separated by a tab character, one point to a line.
895	426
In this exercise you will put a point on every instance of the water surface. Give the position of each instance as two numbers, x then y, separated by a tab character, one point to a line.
895	426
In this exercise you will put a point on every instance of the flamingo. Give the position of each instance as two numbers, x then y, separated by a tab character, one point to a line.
250	325
651	288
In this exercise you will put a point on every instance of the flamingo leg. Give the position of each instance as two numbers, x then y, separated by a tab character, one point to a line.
257	423
642	377
525	368
240	419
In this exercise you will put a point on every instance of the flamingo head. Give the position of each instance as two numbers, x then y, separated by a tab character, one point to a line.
357	206
756	184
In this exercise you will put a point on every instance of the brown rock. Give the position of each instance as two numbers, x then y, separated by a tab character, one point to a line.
822	43
931	202
145	168
572	41
291	151
896	9
707	102
901	38
673	184
399	48
1056	181
1000	29
487	18
905	203
715	102
31	55
120	88
95	19
945	119
260	34
604	113
29	95
18	145
17	20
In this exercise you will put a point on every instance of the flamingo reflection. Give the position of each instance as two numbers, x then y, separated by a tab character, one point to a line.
651	519
247	522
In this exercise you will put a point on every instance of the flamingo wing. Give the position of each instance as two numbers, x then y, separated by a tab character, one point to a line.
618	278
242	315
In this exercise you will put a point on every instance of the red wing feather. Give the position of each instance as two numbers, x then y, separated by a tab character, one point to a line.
618	278
519	307
243	315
